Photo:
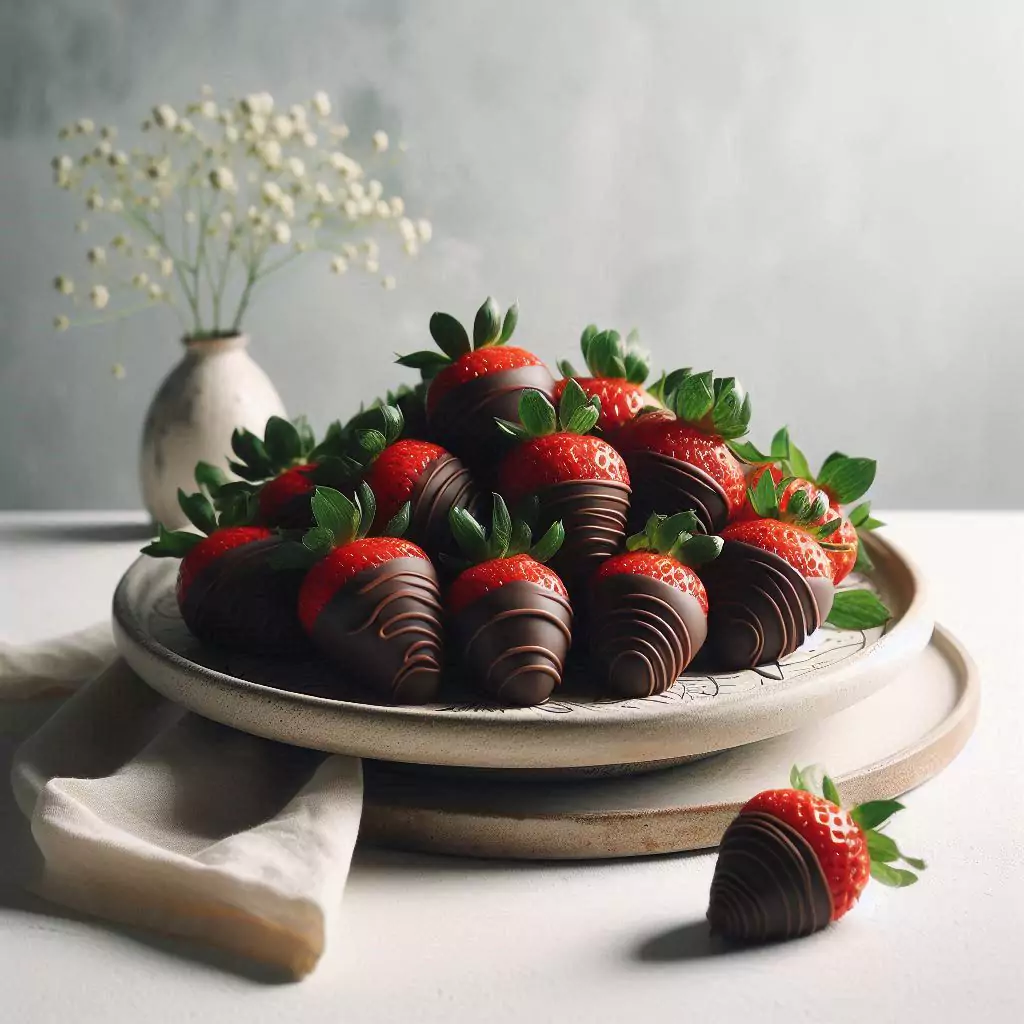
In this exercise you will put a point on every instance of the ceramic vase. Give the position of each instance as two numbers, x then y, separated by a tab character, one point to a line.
216	387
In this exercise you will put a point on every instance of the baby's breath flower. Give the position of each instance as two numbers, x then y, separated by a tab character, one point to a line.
115	205
424	229
351	208
382	209
296	166
155	292
94	201
411	247
205	90
301	246
227	218
62	163
282	126
81	226
339	265
270	153
356	190
167	266
151	252
257	125
380	141
340	131
230	134
271	192
407	229
323	193
140	280
102	149
388	283
258	103
208	109
118	371
366	205
119	242
223	179
374	189
286	204
97	256
108	131
165	116
119	158
61	323
282	233
371	248
372	266
226	116
64	285
85	126
397	204
309	139
99	296
185	127
350	251
190	216
322	103
297	112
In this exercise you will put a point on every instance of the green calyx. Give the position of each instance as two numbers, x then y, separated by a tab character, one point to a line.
871	818
489	328
606	355
766	496
577	413
285	443
201	513
378	428
340	520
681	537
716	405
858	609
411	401
506	537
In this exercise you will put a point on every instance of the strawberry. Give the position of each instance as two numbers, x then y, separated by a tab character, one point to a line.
510	613
618	372
649	608
680	458
471	386
794	860
570	476
231	590
372	604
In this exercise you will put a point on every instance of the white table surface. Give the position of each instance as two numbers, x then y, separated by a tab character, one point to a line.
440	939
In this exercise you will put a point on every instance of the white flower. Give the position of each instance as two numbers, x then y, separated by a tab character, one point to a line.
185	127
298	115
271	192
165	116
258	103
108	131
339	265
119	242
99	296
94	201
351	208
222	179
382	209
97	256
151	252
226	116
167	266
356	190
380	141
64	285
374	189
115	205
301	246
61	323
406	229
425	230
372	266
85	126
140	280
296	166
350	251
230	134
119	158
257	124
397	206
158	169
81	226
371	248
258	218
286	204
205	90
366	206
155	291
411	247
190	217
62	163
323	193
340	131
227	218
118	371
322	103
270	153
208	109
282	126
102	150
388	283
309	139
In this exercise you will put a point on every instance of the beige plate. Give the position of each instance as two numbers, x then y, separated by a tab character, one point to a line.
297	702
880	748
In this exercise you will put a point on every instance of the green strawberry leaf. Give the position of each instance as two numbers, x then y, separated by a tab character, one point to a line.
333	442
764	499
429	362
318	540
210	478
469	535
198	511
863	563
336	514
585	418
700	549
501	528
603	349
371	442
399	522
252	453
307	439
573	399
537	413
695	399
450	335
829	791
897	878
874	813
508	323
781	445
588	335
171	544
847	479
487	324
392	422
638	366
871	523
857	609
516	430
860	514
797	462
818	508
565	368
881	847
282	441
749	452
366	502
548	545
522	537
238	508
829	528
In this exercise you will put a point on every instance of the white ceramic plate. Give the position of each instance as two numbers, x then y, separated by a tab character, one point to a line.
298	702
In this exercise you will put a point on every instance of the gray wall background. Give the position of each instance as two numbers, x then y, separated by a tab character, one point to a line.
825	199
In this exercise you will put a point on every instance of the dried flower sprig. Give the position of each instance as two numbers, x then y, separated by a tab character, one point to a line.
224	196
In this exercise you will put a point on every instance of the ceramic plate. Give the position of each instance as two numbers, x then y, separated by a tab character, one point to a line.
306	704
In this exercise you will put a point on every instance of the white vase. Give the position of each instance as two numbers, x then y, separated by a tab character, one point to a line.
215	388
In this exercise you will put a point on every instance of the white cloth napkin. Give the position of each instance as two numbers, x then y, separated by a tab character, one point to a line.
152	816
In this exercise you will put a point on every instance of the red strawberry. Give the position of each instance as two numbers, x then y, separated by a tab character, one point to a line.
576	478
649	608
284	500
681	459
372	604
510	613
795	544
618	373
793	861
470	387
231	590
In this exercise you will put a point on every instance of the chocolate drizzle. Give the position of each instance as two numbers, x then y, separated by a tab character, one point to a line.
593	513
643	633
443	483
243	603
514	640
768	883
667	485
761	608
463	420
383	628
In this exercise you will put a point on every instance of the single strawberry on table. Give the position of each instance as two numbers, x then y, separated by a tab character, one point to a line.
471	385
510	613
793	861
571	475
372	603
617	373
648	608
231	591
680	458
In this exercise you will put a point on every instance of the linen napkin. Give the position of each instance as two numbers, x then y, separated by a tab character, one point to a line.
149	815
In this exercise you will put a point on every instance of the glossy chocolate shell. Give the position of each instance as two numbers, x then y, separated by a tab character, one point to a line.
666	485
443	483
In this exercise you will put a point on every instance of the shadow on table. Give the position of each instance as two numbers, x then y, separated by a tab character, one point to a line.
689	941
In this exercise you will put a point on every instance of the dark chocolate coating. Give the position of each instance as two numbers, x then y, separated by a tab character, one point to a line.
443	483
514	640
383	628
768	884
243	603
594	514
761	608
463	420
643	633
666	485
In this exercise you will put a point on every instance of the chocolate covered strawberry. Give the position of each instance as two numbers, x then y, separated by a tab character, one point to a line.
401	469
510	613
571	475
794	860
617	373
231	590
372	604
648	608
471	385
679	458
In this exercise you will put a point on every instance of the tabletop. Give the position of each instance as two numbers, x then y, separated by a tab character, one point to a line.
426	939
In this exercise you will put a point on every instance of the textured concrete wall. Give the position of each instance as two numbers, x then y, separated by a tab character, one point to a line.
825	199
